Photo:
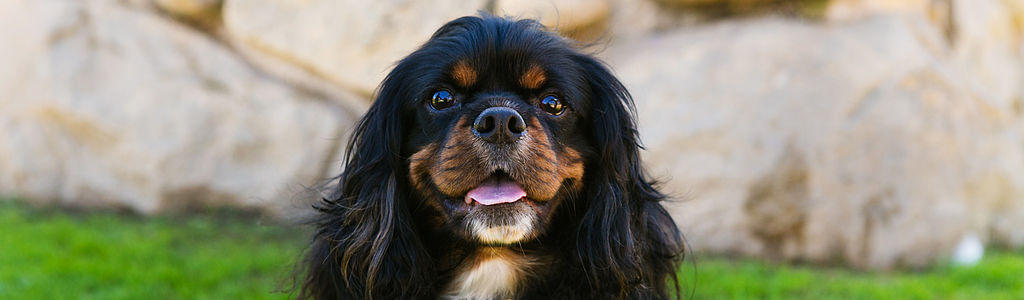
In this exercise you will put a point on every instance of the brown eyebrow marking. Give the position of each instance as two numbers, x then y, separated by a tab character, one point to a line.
533	78
463	74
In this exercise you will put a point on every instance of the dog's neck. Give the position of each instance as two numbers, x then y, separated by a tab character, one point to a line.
491	273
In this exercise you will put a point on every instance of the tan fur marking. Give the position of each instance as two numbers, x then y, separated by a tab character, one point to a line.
463	74
419	165
533	78
571	164
456	171
550	168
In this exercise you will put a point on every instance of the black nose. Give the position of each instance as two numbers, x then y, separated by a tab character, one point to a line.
499	125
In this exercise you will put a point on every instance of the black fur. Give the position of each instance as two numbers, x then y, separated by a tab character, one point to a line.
612	239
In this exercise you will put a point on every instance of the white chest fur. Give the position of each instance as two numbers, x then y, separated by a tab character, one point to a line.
494	275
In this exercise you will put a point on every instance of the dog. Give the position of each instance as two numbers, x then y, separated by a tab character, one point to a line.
497	161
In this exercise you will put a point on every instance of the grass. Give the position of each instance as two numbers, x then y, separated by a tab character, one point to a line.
1000	275
50	255
54	254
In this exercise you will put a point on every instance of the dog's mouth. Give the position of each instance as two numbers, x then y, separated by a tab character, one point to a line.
498	211
496	189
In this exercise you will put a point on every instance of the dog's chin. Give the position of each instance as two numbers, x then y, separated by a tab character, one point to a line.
499	212
502	224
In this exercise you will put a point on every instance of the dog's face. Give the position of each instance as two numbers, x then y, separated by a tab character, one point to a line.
497	139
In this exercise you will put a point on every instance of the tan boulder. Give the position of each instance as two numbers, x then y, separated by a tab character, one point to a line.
858	142
580	19
709	10
351	43
105	105
854	9
987	41
987	38
713	2
205	12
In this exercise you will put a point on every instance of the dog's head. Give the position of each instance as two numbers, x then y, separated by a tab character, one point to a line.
495	132
500	122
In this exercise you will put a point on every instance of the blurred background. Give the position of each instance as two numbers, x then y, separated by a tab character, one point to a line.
813	148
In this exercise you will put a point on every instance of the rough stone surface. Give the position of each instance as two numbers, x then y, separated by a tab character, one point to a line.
107	105
987	38
576	18
863	144
206	12
852	9
330	39
708	2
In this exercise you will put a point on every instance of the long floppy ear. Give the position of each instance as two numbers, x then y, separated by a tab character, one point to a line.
364	246
628	243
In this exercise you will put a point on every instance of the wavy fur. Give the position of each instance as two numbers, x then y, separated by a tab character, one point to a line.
611	240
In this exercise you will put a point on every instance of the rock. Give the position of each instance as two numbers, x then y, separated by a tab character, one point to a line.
635	18
205	12
714	2
721	9
354	50
987	40
630	19
580	19
858	142
105	105
840	10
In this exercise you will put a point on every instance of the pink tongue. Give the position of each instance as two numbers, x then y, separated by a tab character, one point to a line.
495	191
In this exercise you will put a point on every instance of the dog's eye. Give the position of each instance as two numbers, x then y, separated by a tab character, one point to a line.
552	105
442	99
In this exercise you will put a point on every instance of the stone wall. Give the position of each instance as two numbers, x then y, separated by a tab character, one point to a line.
874	133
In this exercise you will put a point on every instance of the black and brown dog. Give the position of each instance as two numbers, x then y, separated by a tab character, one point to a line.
497	161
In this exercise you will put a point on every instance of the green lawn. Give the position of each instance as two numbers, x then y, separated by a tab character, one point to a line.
50	255
1000	275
